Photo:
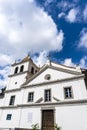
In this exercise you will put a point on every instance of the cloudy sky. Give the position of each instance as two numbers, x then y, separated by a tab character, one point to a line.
40	28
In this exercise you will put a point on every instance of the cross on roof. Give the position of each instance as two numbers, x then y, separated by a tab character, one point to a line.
49	57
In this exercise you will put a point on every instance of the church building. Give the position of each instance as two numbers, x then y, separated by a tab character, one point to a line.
53	96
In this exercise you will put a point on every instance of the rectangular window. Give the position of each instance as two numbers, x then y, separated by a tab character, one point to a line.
12	100
32	70
8	116
30	97
68	92
47	95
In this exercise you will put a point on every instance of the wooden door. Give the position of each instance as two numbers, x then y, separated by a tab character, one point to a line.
47	120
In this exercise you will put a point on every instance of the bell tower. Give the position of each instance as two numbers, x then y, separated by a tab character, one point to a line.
20	72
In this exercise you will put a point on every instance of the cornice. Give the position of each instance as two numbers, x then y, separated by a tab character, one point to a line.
55	81
8	107
20	63
52	67
13	90
54	104
59	103
28	60
66	70
18	74
44	83
64	65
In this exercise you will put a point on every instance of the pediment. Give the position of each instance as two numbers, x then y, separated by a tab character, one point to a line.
51	73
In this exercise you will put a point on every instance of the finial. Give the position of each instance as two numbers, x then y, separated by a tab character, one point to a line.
48	59
28	53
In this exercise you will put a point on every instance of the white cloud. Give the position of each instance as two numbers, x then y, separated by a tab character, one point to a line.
31	0
4	72
72	11
47	2
68	62
72	15
5	60
83	38
60	15
65	5
83	62
41	59
25	27
85	13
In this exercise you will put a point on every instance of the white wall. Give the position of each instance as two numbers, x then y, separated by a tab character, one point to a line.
72	117
1	101
30	116
55	75
68	117
19	65
14	122
31	64
18	98
57	90
20	79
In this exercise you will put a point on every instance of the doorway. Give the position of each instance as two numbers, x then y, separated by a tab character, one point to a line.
47	119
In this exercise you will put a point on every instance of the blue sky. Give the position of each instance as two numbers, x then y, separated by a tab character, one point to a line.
71	17
42	27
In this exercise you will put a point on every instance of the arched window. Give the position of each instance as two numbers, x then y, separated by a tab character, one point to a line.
22	68
32	70
16	70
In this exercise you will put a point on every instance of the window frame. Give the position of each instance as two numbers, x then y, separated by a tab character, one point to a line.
31	99
22	68
68	97
49	96
32	70
16	70
9	116
12	100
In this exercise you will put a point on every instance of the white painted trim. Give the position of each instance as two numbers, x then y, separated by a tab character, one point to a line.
55	81
50	104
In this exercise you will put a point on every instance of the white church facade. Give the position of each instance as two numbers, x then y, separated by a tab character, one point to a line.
50	95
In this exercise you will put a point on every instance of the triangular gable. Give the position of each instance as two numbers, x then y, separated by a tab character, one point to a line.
56	72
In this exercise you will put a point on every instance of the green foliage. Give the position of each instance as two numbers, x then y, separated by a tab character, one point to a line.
57	128
35	126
